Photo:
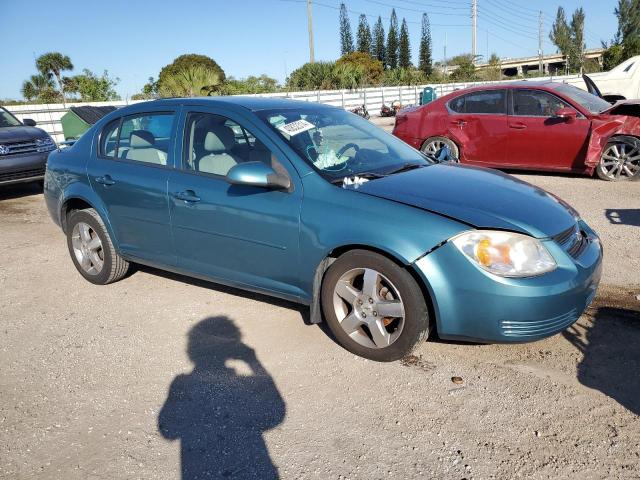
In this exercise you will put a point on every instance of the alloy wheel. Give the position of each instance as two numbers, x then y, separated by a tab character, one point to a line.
87	247
620	161
368	307
432	147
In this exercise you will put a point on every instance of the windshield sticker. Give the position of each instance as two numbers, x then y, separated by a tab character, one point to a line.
296	127
355	181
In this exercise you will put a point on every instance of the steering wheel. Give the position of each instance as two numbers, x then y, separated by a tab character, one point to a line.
349	145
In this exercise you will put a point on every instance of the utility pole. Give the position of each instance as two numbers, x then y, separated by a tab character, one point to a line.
445	55
474	28
540	55
310	27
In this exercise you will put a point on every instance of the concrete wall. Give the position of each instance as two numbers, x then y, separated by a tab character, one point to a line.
48	115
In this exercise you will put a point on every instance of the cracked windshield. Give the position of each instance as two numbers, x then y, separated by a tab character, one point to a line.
343	147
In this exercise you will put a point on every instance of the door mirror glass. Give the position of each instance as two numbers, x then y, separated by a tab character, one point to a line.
257	174
569	114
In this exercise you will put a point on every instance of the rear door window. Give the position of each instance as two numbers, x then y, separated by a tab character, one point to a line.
490	102
109	139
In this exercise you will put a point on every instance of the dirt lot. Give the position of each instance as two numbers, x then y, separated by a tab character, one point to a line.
159	376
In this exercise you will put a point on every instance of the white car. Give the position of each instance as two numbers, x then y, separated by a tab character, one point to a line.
619	83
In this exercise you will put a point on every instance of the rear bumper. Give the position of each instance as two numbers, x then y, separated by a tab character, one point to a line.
22	168
414	142
474	305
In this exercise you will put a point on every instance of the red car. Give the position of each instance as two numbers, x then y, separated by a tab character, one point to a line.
531	126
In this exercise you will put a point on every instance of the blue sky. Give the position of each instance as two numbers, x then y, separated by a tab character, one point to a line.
133	39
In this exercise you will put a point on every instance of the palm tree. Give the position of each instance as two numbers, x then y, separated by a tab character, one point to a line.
53	63
39	87
190	82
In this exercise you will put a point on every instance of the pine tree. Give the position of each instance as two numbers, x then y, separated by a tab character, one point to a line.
378	50
628	34
392	42
561	33
425	62
576	56
364	35
404	55
346	39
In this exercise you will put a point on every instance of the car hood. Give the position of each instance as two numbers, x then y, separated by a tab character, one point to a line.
479	197
20	134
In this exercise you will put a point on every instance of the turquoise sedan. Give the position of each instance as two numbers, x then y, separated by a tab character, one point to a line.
316	205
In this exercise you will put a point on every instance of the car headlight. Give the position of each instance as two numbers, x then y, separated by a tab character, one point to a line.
505	253
45	144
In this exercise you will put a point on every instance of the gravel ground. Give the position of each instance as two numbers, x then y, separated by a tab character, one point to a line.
159	376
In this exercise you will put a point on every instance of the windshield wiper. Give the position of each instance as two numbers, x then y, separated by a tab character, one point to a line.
406	166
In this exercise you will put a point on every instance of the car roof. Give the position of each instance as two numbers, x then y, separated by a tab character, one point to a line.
248	102
542	84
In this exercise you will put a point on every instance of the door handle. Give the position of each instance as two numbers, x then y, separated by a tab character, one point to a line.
518	126
105	180
460	123
188	196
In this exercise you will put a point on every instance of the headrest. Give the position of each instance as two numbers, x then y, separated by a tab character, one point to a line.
141	139
219	139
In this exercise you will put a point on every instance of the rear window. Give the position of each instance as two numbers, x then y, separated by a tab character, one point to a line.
143	138
488	102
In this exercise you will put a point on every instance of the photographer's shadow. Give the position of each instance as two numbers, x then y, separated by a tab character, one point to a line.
220	410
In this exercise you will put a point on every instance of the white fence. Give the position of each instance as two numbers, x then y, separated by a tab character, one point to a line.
48	115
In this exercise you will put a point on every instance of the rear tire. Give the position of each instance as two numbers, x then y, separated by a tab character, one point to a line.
620	160
92	250
374	308
432	144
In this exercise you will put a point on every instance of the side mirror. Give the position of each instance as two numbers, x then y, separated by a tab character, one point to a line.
257	174
29	122
568	114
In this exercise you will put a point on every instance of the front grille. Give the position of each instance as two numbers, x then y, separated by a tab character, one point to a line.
511	328
572	240
18	148
12	176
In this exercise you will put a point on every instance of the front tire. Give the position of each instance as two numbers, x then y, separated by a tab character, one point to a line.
620	160
374	308
92	250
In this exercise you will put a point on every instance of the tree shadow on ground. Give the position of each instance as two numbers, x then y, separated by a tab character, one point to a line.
623	216
221	409
608	340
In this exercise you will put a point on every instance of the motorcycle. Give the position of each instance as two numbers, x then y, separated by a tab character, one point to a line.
361	112
391	111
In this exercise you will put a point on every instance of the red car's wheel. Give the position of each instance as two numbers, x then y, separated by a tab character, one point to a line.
432	145
620	160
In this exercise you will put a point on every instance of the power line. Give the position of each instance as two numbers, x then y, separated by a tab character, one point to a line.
522	7
510	10
413	9
445	4
505	40
505	27
508	21
333	7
